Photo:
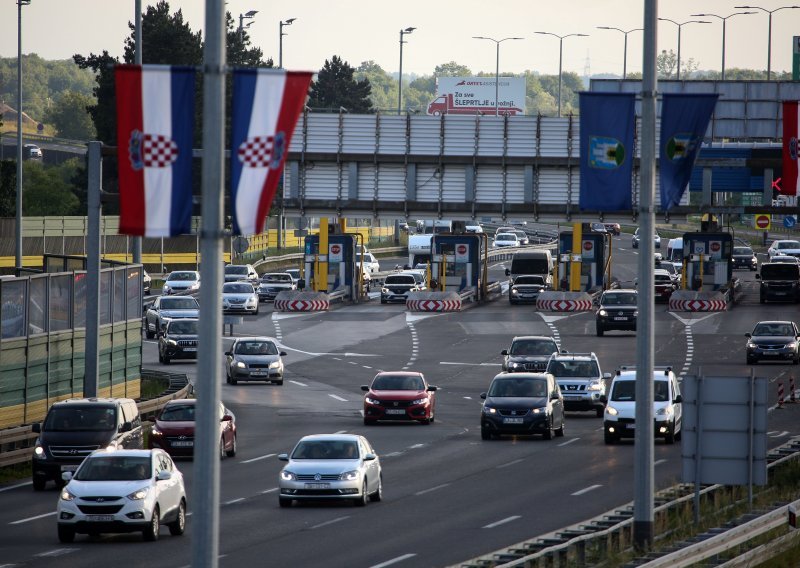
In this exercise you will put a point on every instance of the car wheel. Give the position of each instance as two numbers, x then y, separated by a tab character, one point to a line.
548	434
679	435
222	453
279	383
160	357
762	299
149	334
670	437
512	302
432	419
362	499
560	431
378	494
751	361
151	532
599	411
66	534
228	377
796	359
284	503
232	452
234	381
609	438
39	483
485	434
369	422
600	331
383	301
178	526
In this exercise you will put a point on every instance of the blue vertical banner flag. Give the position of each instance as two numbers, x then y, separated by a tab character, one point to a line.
607	124
684	121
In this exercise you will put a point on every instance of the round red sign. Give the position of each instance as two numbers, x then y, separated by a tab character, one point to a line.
336	249
762	221
714	247
462	249
587	245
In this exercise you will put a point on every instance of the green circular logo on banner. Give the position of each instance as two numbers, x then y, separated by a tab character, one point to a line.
605	153
681	146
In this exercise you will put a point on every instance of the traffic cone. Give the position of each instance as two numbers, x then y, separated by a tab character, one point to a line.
780	395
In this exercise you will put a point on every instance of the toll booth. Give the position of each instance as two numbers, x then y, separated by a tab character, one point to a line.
340	258
459	262
594	260
707	265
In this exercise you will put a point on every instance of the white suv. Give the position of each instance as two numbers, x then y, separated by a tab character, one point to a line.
582	383
619	420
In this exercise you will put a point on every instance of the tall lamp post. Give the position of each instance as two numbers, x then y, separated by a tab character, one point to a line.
246	16
625	52
280	39
497	70
680	25
769	32
400	78
18	224
560	58
724	21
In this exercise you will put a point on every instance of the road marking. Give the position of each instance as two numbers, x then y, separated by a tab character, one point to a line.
366	366
352	362
509	464
341	432
502	522
326	523
393	454
56	552
259	458
336	358
415	446
273	490
586	490
424	491
468	397
19	522
15	487
394	560
232	501
298	383
470	364
659	462
568	442
780	434
337	397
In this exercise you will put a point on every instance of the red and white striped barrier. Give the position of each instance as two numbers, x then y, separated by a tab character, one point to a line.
433	302
292	301
564	302
780	395
688	301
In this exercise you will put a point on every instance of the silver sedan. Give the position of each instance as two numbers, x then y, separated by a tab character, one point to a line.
254	359
239	297
331	467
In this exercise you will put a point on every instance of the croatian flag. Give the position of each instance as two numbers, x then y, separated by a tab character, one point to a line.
155	117
790	136
266	106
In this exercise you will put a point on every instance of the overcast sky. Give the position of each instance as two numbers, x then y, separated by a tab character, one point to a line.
361	30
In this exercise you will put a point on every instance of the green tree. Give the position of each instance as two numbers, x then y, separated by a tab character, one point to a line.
8	188
336	87
666	63
383	94
47	190
452	69
70	116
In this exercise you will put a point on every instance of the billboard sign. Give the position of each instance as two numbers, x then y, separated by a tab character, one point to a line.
471	95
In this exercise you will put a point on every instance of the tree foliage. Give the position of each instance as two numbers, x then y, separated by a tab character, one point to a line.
451	69
47	190
337	87
70	116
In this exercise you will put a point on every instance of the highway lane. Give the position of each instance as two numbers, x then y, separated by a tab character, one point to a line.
449	495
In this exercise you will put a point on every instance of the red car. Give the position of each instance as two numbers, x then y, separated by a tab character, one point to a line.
173	430
664	286
399	395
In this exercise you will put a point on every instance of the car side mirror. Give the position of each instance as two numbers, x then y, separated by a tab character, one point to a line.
229	353
504	352
603	398
370	457
163	475
606	375
283	457
748	335
227	418
283	353
555	395
364	388
758	277
483	395
508	272
678	399
432	388
126	427
66	476
36	428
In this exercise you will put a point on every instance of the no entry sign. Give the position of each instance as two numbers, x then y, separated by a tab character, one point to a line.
762	221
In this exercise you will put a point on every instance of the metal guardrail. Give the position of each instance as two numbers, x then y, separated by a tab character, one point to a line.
179	387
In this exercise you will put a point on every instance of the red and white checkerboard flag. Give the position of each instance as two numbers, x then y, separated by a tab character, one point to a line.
155	117
266	106
790	135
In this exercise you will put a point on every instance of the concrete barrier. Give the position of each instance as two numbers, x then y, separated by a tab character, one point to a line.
433	302
564	302
690	301
296	301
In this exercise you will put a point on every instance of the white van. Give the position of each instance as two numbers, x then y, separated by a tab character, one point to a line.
619	419
675	253
371	264
532	263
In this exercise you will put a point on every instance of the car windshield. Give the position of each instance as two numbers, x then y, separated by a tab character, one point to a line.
182	277
400	279
114	468
625	391
789	245
530	280
743	251
398	382
256	348
518	387
81	419
619	299
506	237
237	288
177	413
188	303
662	279
780	271
774	328
788	259
183	327
668	266
326	450
234	269
293	272
276	278
533	347
574	369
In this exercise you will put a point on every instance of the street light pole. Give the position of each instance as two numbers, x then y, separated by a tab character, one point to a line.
560	58
280	39
680	25
400	78
724	21
137	59
18	225
769	31
497	69
246	16
625	52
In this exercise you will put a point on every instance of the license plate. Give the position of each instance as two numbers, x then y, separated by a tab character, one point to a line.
620	319
630	426
395	411
512	420
258	374
190	349
770	353
318	485
572	396
99	518
183	444
69	467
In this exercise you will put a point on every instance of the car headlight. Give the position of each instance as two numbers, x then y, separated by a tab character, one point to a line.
384	290
288	476
154	431
540	410
751	345
603	313
666	411
38	451
611	410
240	365
165	288
66	495
252	300
372	401
595	386
349	475
636	313
139	494
514	291
171	342
489	409
194	286
790	346
275	365
514	365
419	401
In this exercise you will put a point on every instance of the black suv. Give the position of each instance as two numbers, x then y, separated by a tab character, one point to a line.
779	281
744	257
522	404
617	310
178	340
529	353
75	428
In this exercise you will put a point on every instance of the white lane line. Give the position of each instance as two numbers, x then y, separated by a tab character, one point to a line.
659	462
337	397
232	501
299	383
14	487
336	358
568	442
424	491
352	362
273	490
501	522
468	397
394	560
19	522
415	446
509	464
259	458
56	552
341	432
393	454
366	366
470	364
326	523
587	489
